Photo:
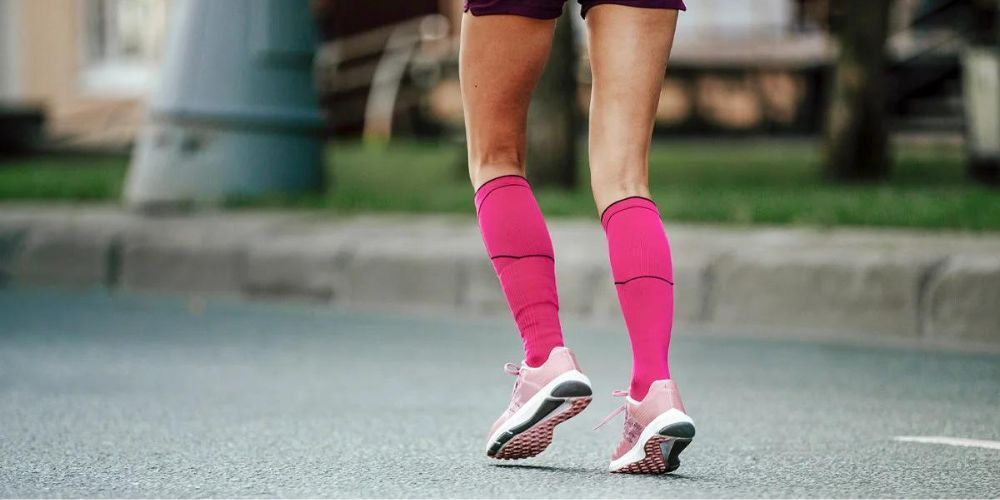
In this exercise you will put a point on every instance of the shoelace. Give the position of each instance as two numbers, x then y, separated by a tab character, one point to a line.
514	370
620	409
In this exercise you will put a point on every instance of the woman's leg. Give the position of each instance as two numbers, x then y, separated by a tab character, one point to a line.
501	59
629	48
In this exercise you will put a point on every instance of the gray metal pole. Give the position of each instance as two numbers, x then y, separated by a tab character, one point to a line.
235	113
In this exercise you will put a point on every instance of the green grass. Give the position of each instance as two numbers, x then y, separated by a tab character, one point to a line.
59	177
728	181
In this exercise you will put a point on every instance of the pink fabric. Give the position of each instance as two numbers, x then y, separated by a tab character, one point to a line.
643	274
519	246
663	395
531	380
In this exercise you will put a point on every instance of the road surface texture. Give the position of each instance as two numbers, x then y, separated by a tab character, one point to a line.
135	396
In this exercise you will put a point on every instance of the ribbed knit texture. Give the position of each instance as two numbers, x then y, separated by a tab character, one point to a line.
520	248
641	267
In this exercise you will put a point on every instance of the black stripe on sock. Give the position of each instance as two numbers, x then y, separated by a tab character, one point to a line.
644	276
523	256
500	177
608	222
621	200
483	202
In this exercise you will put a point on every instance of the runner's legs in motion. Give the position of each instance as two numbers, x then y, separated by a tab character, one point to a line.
501	59
629	48
628	53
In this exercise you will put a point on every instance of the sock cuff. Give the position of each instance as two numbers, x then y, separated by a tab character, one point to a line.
492	185
632	202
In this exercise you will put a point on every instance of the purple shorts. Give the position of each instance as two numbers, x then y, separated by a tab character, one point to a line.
551	9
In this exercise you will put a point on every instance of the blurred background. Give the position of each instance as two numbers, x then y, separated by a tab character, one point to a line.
827	171
773	111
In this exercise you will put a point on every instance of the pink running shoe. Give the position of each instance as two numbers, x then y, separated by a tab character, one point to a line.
543	398
656	431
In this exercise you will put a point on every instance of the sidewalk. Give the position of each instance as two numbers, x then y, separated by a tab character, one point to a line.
880	285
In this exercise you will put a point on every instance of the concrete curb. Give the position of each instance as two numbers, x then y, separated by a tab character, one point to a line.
934	287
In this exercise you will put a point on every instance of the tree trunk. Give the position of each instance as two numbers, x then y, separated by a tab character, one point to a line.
982	93
554	115
856	136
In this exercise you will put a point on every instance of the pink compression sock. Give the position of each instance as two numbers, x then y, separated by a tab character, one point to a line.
641	267
518	244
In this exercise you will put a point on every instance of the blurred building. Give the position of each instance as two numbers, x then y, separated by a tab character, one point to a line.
86	64
737	66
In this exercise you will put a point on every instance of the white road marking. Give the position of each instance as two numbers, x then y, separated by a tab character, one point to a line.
974	443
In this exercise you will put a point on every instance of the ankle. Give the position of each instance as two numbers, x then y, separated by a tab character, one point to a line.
539	355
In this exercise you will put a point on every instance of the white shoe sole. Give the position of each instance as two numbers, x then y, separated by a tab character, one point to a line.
657	449
529	431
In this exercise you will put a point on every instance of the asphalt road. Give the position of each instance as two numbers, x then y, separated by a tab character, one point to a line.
130	396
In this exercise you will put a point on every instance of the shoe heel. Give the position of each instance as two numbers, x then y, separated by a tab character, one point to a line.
683	430
679	437
572	389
